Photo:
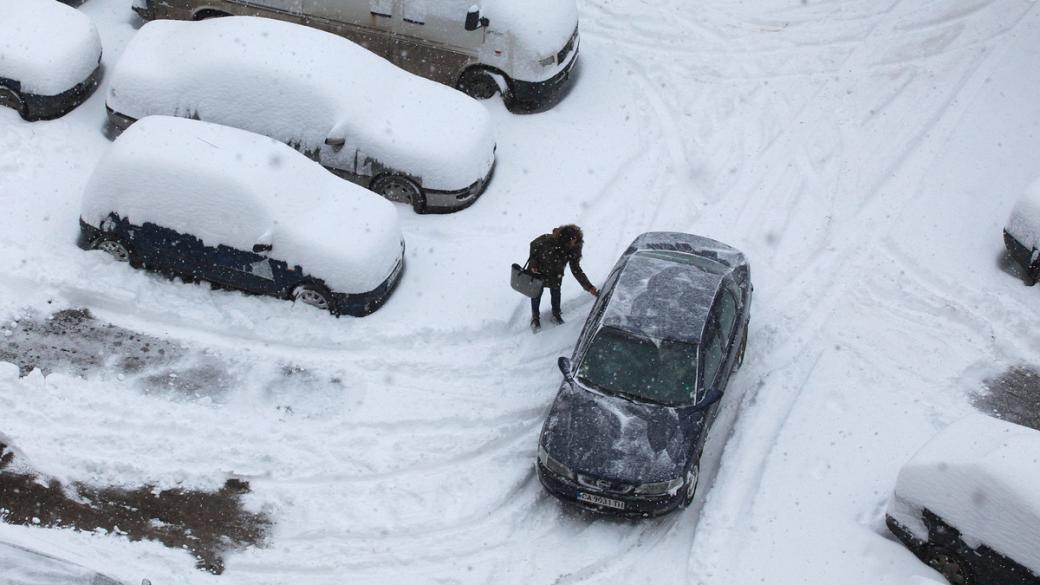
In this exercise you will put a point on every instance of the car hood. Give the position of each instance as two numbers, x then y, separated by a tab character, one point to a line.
613	438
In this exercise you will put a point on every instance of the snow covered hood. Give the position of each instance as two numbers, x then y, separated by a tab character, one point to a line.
300	85
541	27
980	475
1024	223
46	46
612	438
231	187
23	566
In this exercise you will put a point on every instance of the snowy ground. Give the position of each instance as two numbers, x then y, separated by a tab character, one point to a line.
863	153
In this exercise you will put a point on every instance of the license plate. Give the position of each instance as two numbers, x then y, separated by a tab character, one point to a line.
601	501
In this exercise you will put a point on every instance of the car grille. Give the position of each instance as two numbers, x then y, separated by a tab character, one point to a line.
566	50
604	485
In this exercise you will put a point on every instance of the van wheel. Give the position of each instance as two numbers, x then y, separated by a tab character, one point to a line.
208	13
400	189
478	84
114	247
949	564
314	295
691	486
11	99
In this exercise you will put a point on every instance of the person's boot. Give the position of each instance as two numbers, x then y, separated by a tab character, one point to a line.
536	324
557	318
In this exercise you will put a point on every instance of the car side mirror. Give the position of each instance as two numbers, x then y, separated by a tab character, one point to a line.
261	248
565	368
712	397
474	20
336	142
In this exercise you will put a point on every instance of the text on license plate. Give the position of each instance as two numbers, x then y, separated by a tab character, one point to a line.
601	501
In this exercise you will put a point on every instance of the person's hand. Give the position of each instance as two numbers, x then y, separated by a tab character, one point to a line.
594	292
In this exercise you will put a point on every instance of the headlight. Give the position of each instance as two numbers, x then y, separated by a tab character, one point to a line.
660	487
554	465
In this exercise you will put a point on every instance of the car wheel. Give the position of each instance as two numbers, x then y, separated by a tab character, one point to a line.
949	564
400	189
114	247
313	295
692	479
9	98
478	84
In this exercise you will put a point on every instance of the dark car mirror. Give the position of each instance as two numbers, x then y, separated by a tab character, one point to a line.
336	142
474	20
565	368
712	397
261	248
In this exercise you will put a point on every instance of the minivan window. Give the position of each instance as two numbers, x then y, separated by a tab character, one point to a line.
618	362
381	7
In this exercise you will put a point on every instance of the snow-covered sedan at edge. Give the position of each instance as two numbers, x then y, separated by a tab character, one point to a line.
50	58
643	408
209	202
407	138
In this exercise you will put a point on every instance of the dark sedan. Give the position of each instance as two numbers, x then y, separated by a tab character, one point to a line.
629	428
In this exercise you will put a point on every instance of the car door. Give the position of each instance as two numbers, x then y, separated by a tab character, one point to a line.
248	271
365	22
430	39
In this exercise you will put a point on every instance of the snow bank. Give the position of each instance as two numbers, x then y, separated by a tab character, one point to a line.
300	86
980	475
227	186
1024	223
540	28
46	46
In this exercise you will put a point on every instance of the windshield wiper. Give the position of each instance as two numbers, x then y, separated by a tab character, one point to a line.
621	394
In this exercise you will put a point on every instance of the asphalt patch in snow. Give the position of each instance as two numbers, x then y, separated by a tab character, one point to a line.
1013	395
207	524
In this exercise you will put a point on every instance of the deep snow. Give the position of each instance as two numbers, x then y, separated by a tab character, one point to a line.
864	155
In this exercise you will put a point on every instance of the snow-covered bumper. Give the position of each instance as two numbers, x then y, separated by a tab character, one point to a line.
535	96
359	305
606	501
448	201
48	107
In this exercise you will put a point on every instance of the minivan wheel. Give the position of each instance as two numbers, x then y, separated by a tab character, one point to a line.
478	84
949	564
113	247
313	295
400	189
692	479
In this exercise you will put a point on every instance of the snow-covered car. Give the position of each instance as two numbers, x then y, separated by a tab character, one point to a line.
402	136
215	203
25	566
968	505
642	392
50	58
1022	232
525	50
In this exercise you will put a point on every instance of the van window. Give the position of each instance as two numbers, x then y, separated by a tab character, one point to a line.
414	11
381	7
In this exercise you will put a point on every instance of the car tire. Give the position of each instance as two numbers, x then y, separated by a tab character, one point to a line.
400	189
952	566
478	84
11	99
691	486
314	295
114	247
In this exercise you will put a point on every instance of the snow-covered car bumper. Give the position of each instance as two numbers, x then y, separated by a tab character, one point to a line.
604	501
534	96
48	107
359	305
448	201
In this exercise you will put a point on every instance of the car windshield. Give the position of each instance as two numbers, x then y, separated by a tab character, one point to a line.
621	363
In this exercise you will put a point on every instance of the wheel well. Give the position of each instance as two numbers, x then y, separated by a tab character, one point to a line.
205	13
494	72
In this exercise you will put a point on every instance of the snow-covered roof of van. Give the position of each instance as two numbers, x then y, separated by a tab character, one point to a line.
667	285
1024	223
980	475
301	85
232	187
46	46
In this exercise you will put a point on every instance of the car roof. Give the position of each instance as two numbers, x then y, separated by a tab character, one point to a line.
667	284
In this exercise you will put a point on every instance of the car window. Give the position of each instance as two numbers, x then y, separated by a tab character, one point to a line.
381	7
712	354
727	314
414	11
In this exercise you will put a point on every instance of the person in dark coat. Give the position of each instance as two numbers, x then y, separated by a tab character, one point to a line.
550	254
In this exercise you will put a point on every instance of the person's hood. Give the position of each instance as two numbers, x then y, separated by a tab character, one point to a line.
617	439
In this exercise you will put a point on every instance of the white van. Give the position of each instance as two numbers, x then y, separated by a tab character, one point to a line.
524	49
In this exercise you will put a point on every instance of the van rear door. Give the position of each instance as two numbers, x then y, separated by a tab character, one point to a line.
366	22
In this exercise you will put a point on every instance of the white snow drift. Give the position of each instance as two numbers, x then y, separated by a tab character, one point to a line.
303	87
980	475
46	46
232	187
